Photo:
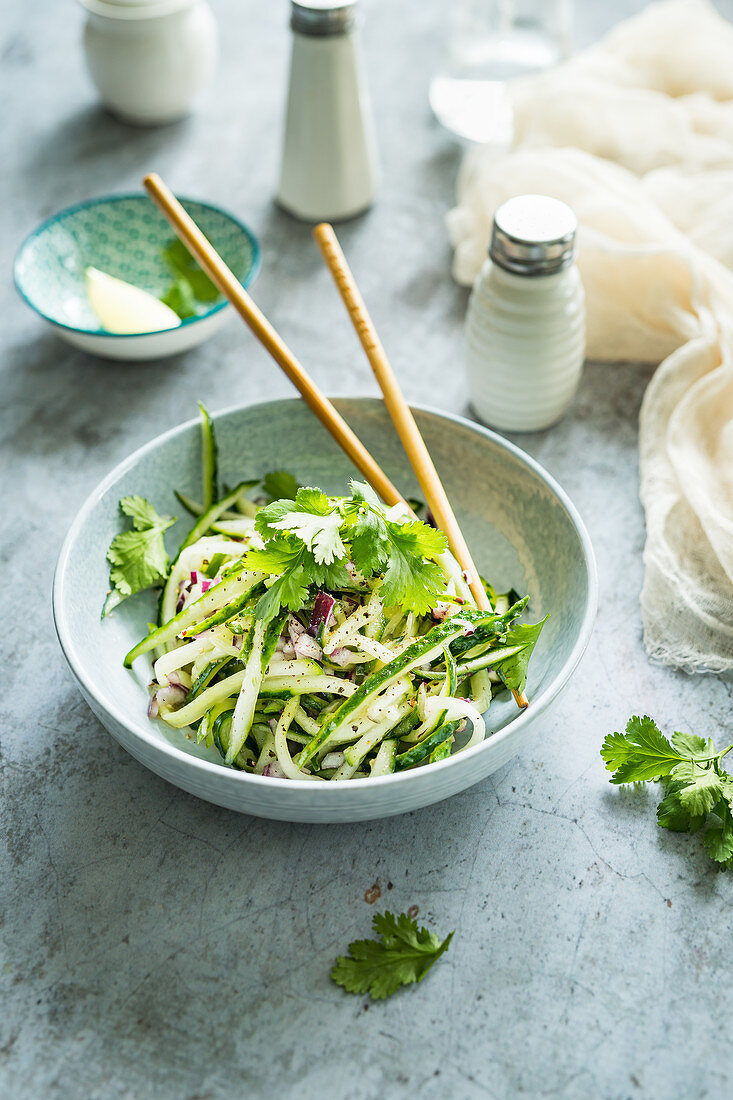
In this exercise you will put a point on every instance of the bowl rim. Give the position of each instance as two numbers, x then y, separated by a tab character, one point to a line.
100	200
537	705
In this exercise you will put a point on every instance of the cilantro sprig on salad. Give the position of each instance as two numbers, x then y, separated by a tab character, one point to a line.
317	637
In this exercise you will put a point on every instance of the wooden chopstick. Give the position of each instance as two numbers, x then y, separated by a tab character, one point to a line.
212	263
402	417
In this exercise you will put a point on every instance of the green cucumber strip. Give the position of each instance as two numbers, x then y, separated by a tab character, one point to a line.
303	685
488	659
206	724
273	632
247	699
492	625
221	736
233	607
198	530
480	687
209	460
211	515
194	613
383	762
451	675
355	753
191	506
423	649
423	748
441	751
467	668
191	712
207	675
245	760
215	565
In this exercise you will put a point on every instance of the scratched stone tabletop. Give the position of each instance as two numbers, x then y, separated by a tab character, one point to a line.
157	946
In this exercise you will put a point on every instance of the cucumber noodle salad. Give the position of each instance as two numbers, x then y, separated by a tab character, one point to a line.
315	637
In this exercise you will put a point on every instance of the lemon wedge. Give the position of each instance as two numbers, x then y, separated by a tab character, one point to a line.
126	309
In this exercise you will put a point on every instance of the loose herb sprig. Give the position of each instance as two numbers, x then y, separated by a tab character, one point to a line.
403	954
137	557
312	540
698	793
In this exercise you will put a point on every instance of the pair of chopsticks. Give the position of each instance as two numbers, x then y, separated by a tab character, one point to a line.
420	460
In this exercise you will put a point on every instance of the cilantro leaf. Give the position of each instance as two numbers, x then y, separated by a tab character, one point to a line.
332	531
289	590
688	744
702	786
513	671
403	954
275	557
183	265
697	793
671	814
138	557
180	298
316	523
143	515
411	579
718	838
641	753
280	485
370	543
333	577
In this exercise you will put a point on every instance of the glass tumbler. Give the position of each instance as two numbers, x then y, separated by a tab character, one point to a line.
487	44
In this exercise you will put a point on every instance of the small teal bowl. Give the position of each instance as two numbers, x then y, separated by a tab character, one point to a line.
123	235
521	527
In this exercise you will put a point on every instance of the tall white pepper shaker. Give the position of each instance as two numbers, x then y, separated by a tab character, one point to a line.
329	162
149	59
525	326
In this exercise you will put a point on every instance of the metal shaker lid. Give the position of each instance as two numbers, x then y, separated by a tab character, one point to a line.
323	18
533	235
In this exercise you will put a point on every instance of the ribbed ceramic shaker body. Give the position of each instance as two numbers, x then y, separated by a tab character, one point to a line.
525	326
329	162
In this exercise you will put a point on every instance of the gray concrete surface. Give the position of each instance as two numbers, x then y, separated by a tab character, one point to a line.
155	946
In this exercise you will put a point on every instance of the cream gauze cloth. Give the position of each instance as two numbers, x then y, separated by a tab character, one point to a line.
636	135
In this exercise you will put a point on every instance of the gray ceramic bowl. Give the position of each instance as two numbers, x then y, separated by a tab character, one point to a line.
523	530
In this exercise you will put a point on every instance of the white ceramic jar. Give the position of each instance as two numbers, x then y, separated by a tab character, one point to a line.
329	162
149	59
525	326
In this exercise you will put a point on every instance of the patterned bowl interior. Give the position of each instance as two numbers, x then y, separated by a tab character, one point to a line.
123	236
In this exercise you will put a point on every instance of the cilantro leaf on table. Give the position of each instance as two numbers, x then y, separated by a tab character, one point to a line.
403	954
718	838
697	792
642	753
137	557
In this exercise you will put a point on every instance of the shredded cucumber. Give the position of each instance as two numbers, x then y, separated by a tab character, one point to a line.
357	689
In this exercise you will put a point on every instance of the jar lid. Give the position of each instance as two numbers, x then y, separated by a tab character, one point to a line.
323	18
533	235
134	9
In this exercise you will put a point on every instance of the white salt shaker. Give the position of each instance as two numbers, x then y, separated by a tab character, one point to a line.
149	59
525	326
329	161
